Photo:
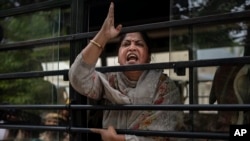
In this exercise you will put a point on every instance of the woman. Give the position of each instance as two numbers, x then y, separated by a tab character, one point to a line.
130	87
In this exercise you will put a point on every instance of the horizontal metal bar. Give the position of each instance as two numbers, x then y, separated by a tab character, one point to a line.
33	107
178	107
33	127
210	19
206	135
178	64
159	25
167	65
31	43
34	7
22	75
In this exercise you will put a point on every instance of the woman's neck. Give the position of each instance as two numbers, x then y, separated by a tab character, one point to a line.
133	75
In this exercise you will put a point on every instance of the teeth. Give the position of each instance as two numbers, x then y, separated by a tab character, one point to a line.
132	56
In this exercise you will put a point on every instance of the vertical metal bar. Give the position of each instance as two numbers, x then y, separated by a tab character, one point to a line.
79	24
191	74
193	88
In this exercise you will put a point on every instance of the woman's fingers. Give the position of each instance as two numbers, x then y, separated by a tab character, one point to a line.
111	10
108	134
108	26
95	130
119	28
110	129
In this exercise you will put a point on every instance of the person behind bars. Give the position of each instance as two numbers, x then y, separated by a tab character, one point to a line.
130	87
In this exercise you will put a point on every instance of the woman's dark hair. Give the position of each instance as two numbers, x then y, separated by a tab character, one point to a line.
144	36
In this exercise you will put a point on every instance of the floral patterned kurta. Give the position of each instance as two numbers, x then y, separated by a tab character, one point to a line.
153	87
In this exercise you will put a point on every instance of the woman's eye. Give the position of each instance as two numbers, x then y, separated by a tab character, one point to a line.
140	44
125	44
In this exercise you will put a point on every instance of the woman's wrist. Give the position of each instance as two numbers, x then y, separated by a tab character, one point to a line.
96	44
99	40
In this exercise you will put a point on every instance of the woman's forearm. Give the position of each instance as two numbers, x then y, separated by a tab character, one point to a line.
93	50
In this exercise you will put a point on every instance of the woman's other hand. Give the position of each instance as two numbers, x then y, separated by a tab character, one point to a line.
109	134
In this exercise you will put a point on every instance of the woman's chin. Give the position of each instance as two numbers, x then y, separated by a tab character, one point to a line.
131	62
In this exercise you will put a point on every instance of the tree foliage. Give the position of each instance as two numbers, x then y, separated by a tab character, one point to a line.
206	35
38	25
24	91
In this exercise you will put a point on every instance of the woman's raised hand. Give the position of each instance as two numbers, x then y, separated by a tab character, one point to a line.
108	28
92	51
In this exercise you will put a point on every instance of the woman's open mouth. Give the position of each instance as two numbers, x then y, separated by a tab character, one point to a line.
132	58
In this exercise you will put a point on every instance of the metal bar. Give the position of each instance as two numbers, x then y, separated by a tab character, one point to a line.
179	64
178	107
167	65
79	23
34	7
33	127
29	44
33	107
207	135
159	25
22	75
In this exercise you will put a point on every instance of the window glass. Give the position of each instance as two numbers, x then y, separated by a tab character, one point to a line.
184	9
40	90
211	84
42	24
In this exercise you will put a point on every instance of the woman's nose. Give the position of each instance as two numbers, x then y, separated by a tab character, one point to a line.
132	47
